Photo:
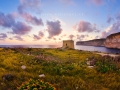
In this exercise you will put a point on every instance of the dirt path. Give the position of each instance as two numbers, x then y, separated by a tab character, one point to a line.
112	55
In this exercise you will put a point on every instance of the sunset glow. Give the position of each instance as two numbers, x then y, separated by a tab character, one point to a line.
49	22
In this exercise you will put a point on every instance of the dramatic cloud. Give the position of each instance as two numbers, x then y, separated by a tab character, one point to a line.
6	20
27	16
97	2
21	28
32	19
54	28
112	29
84	26
39	36
18	38
71	36
110	19
3	36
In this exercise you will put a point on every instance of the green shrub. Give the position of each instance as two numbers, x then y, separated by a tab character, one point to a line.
105	67
36	85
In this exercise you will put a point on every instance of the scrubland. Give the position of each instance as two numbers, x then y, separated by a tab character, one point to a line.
64	69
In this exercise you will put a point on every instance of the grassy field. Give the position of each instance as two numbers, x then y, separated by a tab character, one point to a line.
64	69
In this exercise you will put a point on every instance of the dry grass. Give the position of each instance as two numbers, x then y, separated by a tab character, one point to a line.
65	69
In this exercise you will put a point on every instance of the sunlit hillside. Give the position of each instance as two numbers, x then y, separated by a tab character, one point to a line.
63	69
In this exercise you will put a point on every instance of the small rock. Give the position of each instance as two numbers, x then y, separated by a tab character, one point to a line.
23	67
88	62
41	75
2	83
76	87
87	59
90	66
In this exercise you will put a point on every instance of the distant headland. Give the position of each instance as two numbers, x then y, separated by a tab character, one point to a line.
111	41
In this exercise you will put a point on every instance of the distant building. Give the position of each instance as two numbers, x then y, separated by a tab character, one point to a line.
68	44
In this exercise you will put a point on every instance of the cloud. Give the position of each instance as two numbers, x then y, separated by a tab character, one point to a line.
21	28
21	9
6	20
97	2
118	16
30	3
11	38
59	38
97	37
3	36
63	35
54	39
84	26
114	28
110	19
54	28
27	16
32	19
18	38
81	37
61	21
71	36
36	37
39	36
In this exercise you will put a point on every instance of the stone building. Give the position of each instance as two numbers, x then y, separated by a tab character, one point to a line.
68	44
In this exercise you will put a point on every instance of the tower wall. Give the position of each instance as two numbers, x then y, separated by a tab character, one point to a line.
68	44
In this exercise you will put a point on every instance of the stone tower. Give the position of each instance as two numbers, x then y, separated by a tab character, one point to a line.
68	44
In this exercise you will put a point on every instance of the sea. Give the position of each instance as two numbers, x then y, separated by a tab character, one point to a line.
78	47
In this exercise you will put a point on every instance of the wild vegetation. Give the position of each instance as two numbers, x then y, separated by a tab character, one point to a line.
60	69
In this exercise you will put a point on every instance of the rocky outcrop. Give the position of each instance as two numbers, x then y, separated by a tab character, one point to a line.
95	42
113	41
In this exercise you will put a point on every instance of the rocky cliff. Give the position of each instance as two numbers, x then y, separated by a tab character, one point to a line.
113	41
95	42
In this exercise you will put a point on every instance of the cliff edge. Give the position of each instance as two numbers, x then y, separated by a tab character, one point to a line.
95	42
113	41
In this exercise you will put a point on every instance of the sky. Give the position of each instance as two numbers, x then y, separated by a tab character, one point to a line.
49	22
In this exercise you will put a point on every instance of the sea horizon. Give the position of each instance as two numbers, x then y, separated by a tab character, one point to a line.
77	47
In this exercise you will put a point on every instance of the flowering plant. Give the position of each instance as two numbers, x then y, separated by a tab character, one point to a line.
36	85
